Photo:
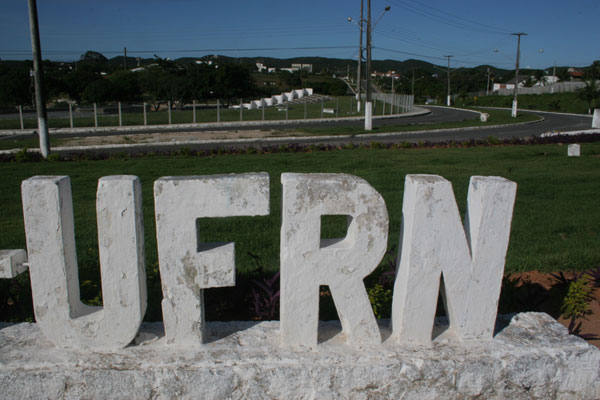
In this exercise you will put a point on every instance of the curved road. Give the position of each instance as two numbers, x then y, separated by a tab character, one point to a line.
551	122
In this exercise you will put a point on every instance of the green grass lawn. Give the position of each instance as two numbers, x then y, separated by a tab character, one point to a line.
569	102
556	223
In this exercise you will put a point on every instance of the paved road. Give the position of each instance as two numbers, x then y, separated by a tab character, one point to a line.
551	122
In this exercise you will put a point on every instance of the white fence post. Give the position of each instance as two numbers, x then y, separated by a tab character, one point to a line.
70	115
21	117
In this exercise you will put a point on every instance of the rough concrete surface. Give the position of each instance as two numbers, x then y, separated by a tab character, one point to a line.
50	233
308	261
186	266
531	358
435	244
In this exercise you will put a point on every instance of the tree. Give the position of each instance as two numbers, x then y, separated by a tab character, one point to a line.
590	93
15	86
233	81
125	86
99	91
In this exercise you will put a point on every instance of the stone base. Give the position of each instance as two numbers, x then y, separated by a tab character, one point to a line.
533	357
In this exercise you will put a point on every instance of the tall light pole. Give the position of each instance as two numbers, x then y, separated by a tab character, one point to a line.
361	22
40	104
514	104
448	102
369	103
360	49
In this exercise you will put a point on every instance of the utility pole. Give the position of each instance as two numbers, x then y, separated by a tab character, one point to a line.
487	89
360	53
412	90
40	104
448	102
368	104
125	58
514	104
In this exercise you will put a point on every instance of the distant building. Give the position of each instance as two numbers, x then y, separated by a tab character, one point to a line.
510	85
547	80
261	67
302	67
575	73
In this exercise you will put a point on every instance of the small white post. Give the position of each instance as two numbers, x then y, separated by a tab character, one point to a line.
120	115
574	150
194	111
596	118
513	112
145	115
321	108
169	111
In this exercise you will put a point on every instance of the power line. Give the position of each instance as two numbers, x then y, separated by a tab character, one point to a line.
486	26
453	23
207	50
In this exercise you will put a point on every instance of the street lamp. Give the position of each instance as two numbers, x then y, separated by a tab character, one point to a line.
369	104
514	104
358	70
360	23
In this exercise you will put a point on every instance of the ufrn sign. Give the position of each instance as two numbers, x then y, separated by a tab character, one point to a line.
433	244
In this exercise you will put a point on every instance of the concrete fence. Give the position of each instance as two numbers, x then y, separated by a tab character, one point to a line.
560	87
396	103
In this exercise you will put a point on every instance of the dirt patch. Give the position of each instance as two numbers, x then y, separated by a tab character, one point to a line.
169	137
539	291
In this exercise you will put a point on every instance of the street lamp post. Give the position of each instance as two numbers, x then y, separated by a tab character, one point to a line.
40	104
448	102
516	91
360	57
369	103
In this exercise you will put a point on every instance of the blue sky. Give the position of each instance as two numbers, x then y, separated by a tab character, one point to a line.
475	32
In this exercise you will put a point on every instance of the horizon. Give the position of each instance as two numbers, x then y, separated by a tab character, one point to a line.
351	61
476	34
